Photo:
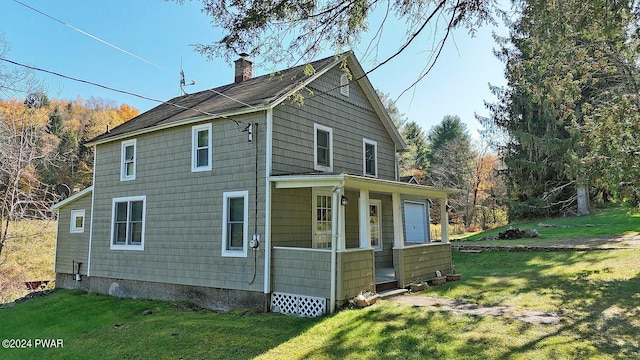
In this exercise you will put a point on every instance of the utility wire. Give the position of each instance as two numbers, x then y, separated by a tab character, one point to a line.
94	37
122	50
230	98
117	90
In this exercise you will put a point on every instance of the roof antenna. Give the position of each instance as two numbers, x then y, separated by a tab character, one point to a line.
182	81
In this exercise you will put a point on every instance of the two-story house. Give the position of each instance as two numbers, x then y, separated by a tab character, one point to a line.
240	197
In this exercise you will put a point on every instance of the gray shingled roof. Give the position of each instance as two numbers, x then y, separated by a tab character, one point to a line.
256	92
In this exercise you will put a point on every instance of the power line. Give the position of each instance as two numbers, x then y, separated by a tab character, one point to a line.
94	37
122	50
113	89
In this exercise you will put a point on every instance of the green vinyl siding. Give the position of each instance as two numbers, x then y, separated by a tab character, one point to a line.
73	247
291	217
183	224
420	262
351	119
302	272
355	273
351	223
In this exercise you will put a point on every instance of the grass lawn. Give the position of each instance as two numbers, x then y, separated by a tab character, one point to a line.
611	221
597	293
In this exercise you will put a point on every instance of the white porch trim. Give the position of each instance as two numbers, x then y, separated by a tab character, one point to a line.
359	182
444	220
363	219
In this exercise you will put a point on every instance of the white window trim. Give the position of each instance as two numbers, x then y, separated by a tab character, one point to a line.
72	225
113	220
364	157
344	85
329	130
123	171
378	203
245	226
194	147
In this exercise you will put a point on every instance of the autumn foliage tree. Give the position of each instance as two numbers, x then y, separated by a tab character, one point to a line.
26	150
41	146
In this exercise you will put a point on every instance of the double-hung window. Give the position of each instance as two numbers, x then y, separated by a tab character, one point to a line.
128	160
128	223
201	149
370	157
323	148
235	224
77	221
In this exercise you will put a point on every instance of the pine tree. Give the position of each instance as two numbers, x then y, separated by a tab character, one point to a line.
570	66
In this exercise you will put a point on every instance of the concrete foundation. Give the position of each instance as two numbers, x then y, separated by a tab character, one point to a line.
210	298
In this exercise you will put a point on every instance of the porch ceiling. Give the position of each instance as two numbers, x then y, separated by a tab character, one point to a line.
359	183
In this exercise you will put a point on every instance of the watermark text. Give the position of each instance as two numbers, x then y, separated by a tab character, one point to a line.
32	343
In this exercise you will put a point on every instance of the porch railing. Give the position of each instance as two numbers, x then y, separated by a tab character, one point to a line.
301	271
307	272
356	273
420	262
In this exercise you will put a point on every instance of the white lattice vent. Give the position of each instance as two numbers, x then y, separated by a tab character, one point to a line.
300	305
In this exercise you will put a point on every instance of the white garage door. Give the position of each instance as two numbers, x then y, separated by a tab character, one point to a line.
415	222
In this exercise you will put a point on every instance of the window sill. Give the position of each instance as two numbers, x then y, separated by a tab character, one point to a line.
127	247
237	254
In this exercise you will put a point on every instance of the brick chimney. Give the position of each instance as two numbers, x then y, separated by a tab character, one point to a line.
244	69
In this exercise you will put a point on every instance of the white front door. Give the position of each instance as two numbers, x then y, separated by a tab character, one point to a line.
415	222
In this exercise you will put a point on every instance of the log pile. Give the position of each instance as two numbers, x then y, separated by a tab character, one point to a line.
515	233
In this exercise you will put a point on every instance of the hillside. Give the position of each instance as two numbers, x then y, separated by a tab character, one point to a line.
28	256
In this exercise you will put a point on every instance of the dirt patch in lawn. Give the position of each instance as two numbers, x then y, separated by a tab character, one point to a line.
616	242
442	304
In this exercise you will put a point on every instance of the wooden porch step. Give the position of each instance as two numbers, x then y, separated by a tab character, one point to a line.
391	293
387	285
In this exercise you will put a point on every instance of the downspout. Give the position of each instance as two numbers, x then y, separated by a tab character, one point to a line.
396	166
55	249
93	196
267	199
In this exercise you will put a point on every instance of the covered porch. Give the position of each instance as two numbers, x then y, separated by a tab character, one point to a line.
334	236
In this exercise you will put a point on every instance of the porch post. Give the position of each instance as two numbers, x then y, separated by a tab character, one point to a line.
335	204
398	234
444	220
363	217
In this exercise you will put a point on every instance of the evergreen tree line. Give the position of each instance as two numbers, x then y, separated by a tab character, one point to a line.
446	157
568	120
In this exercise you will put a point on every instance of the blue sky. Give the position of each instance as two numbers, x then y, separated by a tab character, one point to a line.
161	32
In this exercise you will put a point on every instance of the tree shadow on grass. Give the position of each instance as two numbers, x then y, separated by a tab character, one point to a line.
600	310
606	322
394	331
